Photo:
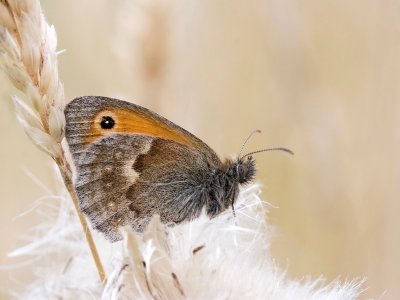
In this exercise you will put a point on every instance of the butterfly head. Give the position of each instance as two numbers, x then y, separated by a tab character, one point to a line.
243	170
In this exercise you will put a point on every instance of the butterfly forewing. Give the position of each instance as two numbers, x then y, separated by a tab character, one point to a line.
84	117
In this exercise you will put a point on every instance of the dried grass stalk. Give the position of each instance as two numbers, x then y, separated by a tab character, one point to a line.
28	57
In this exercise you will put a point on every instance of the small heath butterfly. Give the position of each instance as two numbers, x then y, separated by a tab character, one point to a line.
132	163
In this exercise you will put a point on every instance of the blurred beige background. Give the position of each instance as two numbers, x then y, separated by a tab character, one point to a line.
322	78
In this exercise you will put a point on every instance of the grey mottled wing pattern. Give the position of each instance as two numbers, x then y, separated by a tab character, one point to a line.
126	179
104	174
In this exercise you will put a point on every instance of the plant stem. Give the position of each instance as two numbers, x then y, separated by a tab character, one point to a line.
67	175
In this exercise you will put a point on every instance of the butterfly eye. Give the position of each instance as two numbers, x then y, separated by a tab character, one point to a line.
240	170
107	122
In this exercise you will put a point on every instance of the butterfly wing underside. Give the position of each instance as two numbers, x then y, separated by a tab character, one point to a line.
144	165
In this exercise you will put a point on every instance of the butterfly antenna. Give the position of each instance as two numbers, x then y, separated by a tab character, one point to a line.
245	142
269	149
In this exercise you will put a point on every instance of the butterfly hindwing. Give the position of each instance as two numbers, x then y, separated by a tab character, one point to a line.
125	179
103	175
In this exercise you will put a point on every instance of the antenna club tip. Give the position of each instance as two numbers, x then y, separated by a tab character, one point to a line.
285	150
290	151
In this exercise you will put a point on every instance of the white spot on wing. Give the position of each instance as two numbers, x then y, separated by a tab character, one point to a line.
128	170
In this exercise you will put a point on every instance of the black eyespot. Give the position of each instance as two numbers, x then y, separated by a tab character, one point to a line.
107	122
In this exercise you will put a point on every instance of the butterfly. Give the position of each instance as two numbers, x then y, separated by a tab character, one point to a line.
130	164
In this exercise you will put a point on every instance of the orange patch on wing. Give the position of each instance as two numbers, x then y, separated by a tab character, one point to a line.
127	121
